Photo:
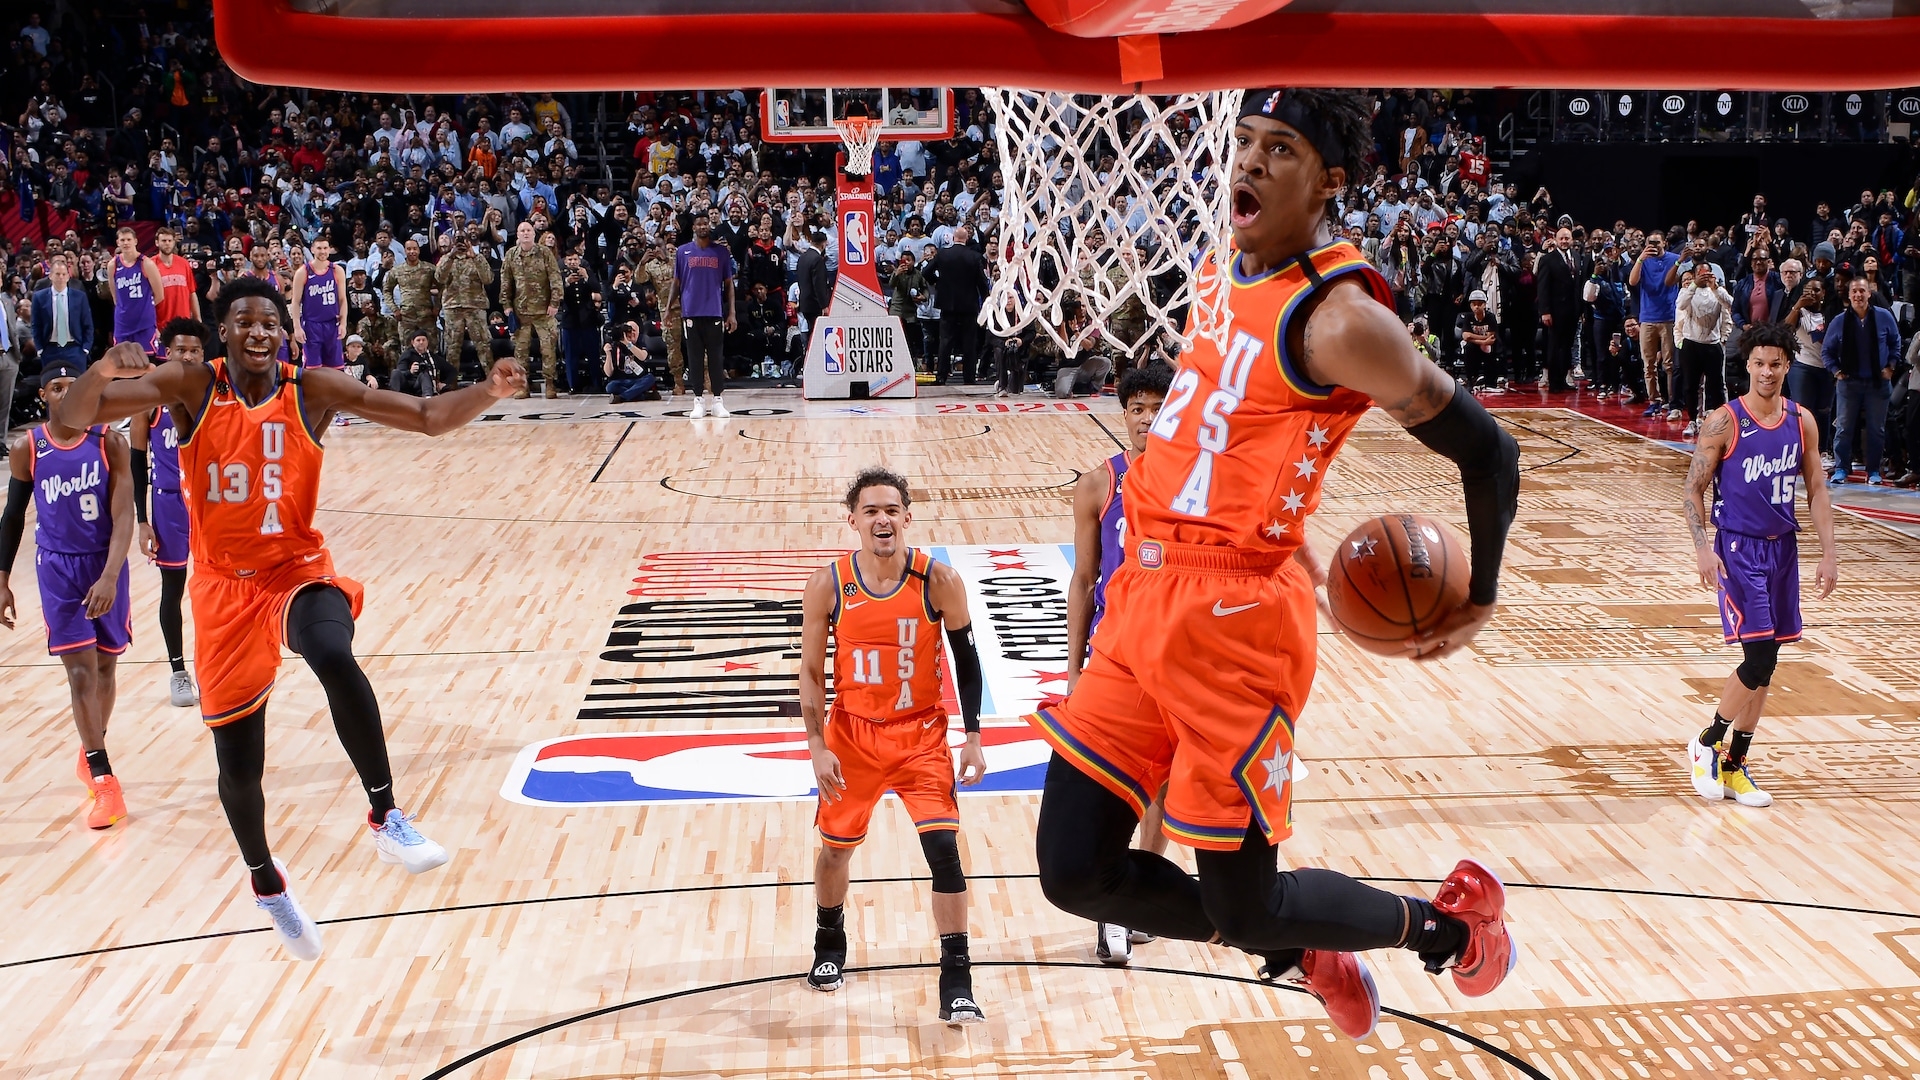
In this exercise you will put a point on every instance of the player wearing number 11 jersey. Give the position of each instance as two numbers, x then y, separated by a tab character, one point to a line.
1202	665
250	455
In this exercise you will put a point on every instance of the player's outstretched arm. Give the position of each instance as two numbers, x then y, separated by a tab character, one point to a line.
1820	506
1089	496
1352	340
816	617
120	504
1708	451
949	595
126	383
328	389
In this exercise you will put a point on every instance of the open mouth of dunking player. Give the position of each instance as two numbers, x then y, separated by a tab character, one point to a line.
1246	205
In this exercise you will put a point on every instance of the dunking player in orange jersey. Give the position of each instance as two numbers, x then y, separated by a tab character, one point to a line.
884	606
1205	658
250	463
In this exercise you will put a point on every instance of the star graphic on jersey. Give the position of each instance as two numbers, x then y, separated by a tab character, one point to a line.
1293	501
1306	466
1363	547
1279	770
1275	529
1316	437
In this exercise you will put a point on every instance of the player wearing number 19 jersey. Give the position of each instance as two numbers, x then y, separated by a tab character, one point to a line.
250	460
1202	665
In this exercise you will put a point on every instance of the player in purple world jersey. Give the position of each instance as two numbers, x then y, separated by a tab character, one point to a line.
79	482
319	309
136	293
1754	453
1098	550
163	531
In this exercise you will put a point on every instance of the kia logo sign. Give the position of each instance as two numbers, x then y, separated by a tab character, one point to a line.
1626	105
1723	104
1795	104
1673	103
1579	106
1907	106
1853	104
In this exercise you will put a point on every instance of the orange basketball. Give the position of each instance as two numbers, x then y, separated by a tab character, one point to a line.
1396	576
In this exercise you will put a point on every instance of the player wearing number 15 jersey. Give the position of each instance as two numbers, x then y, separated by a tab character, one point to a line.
82	496
250	456
884	606
1202	665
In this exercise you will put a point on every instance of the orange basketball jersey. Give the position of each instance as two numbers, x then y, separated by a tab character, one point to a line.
886	649
1239	450
251	478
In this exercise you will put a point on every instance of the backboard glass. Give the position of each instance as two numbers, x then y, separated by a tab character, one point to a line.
924	112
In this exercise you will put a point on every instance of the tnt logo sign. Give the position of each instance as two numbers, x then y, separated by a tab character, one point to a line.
707	767
856	238
833	345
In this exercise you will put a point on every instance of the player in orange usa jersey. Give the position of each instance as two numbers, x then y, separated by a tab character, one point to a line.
1203	663
884	606
250	454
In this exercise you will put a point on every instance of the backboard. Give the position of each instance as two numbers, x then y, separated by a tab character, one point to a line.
1111	47
924	112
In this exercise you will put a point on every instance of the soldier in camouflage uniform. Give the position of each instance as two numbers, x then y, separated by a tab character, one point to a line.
530	281
657	267
410	295
382	339
463	276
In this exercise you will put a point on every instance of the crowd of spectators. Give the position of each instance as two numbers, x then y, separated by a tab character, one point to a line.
478	226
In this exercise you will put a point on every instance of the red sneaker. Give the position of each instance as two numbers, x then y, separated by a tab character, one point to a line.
1475	896
1342	983
109	805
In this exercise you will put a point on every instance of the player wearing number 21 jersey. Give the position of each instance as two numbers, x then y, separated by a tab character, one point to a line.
883	607
1201	667
250	458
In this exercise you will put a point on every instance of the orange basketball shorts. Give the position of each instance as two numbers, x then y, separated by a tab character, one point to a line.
908	757
1204	659
240	623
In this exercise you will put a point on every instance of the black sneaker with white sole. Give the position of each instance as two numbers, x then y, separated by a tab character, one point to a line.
957	1004
1112	945
829	959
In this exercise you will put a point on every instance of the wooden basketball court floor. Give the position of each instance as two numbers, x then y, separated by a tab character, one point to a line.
1663	936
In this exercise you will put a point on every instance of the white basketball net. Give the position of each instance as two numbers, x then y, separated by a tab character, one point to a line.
1123	239
860	134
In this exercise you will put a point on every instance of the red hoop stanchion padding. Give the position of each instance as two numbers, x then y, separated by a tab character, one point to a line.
860	134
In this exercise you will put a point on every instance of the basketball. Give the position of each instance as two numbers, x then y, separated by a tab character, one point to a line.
1394	577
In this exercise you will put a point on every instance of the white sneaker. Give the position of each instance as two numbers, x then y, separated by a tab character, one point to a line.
719	410
398	841
1140	937
1705	762
699	409
1675	414
1112	944
180	691
1692	429
291	922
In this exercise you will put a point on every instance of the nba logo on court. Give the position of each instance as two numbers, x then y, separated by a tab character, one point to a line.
833	342
855	236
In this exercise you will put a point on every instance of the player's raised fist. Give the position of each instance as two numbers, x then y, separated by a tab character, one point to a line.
126	360
508	379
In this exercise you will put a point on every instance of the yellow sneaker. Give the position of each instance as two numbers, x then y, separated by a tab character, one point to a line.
1740	786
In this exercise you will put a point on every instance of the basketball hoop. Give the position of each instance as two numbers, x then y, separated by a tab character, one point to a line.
1121	241
860	134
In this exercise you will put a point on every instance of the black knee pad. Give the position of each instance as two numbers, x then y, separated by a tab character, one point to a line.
1756	670
942	848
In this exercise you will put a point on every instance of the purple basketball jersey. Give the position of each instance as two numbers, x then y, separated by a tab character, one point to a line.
169	516
320	304
1113	551
163	450
134	314
1760	475
72	515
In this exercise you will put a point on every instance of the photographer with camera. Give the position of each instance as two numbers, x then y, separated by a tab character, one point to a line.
626	368
419	371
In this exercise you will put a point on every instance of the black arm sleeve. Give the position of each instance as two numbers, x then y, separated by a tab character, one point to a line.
966	673
1489	461
139	485
13	525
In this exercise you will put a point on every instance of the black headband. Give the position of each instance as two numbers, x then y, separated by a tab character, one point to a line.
60	369
1275	103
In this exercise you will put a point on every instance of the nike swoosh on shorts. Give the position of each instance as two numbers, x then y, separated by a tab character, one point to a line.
1223	611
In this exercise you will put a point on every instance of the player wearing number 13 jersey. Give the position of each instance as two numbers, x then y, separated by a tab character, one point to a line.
250	457
883	606
1202	666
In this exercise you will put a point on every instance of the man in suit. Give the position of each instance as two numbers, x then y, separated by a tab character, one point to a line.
815	291
1560	275
960	286
62	317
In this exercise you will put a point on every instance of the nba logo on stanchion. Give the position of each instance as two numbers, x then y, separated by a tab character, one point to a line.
833	343
855	236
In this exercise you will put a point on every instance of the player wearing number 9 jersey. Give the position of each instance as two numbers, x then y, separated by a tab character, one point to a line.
883	606
250	458
1202	666
82	496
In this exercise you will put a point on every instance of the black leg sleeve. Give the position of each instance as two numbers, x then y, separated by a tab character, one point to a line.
240	748
1261	910
1088	867
320	629
173	586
